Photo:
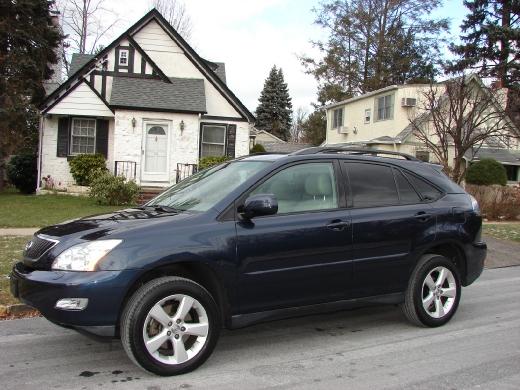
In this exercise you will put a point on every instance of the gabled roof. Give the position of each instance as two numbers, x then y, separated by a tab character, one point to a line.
504	156
180	95
78	60
201	64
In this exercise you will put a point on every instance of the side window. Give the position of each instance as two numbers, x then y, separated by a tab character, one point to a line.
372	185
407	194
427	191
303	187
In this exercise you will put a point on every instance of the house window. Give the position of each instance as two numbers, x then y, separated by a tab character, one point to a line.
368	115
83	136
423	156
337	118
123	57
385	107
213	142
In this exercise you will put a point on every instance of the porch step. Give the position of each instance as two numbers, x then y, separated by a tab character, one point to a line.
148	193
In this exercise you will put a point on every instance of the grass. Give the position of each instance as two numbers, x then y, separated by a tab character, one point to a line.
17	210
503	231
11	248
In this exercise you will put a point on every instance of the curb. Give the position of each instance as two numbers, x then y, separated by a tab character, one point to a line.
17	310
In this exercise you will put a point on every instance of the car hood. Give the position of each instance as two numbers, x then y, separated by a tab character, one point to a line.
96	226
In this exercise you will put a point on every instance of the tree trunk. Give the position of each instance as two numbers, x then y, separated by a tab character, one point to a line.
504	45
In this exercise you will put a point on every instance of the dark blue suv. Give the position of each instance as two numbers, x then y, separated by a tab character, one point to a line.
258	238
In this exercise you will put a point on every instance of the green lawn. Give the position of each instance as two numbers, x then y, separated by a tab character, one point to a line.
503	231
11	248
18	210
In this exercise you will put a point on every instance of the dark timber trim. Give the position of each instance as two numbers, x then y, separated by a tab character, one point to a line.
148	59
125	74
99	96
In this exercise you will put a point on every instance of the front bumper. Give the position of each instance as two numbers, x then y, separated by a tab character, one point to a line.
105	291
475	256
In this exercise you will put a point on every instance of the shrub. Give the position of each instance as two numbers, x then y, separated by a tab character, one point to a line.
486	172
22	172
258	148
113	190
83	165
497	202
207	162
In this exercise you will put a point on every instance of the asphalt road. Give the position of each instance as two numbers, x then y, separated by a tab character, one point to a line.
363	349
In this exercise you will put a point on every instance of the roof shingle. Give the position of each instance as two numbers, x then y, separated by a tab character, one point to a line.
78	61
181	95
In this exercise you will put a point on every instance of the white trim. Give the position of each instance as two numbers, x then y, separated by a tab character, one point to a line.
71	153
160	177
126	57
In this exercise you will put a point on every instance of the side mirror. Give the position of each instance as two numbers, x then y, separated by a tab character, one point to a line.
259	205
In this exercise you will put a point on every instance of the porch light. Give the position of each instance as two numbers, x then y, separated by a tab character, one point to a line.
181	125
133	122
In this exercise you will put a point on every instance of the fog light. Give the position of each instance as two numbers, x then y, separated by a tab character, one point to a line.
72	304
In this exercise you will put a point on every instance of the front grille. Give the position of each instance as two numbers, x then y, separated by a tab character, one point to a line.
37	247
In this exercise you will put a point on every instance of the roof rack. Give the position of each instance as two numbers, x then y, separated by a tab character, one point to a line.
354	151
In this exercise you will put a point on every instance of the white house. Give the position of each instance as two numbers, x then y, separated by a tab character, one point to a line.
148	102
381	120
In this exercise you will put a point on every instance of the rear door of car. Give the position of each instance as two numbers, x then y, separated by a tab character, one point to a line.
391	222
301	255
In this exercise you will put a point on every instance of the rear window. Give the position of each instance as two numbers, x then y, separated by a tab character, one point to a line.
427	191
407	194
372	185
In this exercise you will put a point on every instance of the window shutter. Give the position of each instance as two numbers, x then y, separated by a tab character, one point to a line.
231	140
102	137
63	137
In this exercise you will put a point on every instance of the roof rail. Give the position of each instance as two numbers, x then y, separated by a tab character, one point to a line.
354	151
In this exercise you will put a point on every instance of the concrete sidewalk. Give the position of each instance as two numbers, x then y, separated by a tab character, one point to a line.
18	231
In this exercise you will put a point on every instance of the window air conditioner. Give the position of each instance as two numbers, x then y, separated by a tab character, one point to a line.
343	129
408	102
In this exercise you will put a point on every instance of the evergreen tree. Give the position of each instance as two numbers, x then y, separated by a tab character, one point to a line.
314	128
27	46
372	44
274	110
491	46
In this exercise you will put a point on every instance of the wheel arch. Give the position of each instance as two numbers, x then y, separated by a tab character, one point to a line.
198	271
453	251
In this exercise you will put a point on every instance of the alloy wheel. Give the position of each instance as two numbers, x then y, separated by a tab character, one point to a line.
439	291
175	329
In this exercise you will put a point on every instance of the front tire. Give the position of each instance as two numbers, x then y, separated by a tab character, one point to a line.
433	293
170	326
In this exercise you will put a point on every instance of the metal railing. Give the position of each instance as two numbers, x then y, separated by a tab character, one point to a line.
128	169
185	170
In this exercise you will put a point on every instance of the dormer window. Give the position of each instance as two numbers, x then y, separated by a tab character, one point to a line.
123	57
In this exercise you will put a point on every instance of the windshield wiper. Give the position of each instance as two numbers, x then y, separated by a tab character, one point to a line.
160	207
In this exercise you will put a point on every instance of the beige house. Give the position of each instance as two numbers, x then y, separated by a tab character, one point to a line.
381	120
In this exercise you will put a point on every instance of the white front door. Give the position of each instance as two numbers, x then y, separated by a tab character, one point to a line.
155	152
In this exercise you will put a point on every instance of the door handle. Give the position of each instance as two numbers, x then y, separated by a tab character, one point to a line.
422	216
338	225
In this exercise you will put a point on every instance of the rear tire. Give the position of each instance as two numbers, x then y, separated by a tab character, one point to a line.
433	293
170	326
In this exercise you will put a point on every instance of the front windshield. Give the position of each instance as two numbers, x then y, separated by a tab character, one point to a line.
205	189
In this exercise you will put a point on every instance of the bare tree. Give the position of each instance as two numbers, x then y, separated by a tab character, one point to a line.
85	22
457	117
174	11
299	117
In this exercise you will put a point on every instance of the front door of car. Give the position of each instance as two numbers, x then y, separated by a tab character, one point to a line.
391	223
301	255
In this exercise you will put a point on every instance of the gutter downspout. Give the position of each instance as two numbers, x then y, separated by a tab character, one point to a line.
40	142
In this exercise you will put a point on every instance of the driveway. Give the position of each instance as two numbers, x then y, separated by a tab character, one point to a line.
362	349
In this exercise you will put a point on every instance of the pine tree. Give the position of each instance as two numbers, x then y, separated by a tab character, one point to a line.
27	46
274	111
491	46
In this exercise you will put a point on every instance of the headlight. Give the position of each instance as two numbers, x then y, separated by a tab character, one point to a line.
84	257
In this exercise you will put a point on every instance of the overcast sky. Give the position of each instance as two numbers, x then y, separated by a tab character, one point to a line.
251	36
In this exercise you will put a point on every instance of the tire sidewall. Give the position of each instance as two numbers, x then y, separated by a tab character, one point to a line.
139	350
432	263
